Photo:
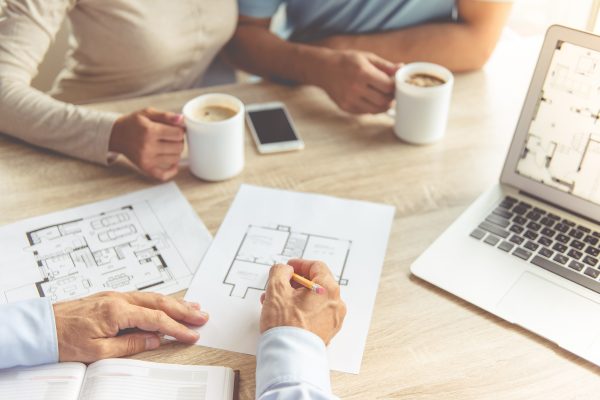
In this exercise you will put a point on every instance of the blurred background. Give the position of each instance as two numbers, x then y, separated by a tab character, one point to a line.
529	20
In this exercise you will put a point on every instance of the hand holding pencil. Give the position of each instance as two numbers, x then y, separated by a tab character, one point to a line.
287	302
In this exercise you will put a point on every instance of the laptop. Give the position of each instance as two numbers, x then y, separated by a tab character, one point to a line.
528	250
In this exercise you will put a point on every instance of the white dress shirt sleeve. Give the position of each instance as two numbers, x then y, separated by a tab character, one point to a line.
27	27
291	363
27	333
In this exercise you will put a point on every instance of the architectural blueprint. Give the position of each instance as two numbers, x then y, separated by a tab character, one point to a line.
133	242
267	226
262	247
563	145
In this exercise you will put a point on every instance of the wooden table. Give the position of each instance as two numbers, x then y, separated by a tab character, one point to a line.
423	343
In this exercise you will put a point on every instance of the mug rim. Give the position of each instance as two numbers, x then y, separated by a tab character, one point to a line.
439	71
198	99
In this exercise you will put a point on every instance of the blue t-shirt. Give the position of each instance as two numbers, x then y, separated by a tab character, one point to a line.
308	20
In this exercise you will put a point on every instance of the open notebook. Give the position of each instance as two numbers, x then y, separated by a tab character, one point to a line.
115	379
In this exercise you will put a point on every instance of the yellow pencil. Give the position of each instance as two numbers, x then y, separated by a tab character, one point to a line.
315	287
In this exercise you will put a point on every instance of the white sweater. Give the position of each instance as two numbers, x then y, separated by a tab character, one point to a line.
118	49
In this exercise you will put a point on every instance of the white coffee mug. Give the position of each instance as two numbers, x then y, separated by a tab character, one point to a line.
215	148
422	112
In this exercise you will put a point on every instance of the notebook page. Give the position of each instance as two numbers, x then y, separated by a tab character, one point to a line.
116	379
45	382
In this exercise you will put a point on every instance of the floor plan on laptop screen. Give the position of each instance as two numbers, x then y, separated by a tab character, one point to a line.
266	226
138	241
563	146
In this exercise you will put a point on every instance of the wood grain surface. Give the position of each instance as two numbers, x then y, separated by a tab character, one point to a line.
423	343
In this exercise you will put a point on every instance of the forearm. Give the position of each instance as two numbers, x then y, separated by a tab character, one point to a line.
26	31
453	45
38	119
260	52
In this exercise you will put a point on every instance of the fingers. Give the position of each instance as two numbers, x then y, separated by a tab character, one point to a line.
374	107
176	309
155	321
164	174
279	280
166	161
129	344
170	147
378	100
315	271
170	133
164	117
380	81
388	67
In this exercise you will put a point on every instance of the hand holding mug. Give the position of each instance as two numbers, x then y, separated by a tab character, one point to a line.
151	139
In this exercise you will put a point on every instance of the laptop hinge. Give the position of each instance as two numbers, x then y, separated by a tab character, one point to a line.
592	220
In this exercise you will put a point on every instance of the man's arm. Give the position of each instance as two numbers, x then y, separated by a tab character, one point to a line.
359	82
296	325
462	46
107	324
27	333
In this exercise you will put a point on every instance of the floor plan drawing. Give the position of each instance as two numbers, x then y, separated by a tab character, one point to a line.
146	240
562	149
265	226
108	251
261	247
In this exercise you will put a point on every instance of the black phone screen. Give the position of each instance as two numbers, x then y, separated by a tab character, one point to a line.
272	126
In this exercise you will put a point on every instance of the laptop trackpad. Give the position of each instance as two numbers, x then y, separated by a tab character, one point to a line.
558	314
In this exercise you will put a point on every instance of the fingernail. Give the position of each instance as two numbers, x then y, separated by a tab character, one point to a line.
195	306
178	118
152	342
203	314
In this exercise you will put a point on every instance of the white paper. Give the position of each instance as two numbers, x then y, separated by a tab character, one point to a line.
265	226
116	379
147	240
46	382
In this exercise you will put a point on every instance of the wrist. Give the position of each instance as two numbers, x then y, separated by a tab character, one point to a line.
116	143
320	66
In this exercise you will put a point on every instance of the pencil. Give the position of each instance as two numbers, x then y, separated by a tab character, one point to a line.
315	287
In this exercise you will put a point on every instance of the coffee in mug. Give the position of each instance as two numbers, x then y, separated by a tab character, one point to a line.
215	136
212	113
423	92
424	80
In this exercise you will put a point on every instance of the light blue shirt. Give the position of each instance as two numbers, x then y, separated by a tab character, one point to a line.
27	333
308	20
291	363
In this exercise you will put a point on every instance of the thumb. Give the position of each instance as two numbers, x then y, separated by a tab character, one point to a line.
388	67
132	343
165	174
163	117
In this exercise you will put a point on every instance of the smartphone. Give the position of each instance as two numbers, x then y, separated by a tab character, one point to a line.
272	128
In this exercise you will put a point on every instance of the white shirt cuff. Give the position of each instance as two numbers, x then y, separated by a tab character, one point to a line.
288	355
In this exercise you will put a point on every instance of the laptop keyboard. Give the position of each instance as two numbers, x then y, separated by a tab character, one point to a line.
544	239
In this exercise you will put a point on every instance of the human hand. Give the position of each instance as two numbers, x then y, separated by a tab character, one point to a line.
285	304
151	139
88	329
359	82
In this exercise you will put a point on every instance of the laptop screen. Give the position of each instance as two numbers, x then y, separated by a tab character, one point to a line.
562	147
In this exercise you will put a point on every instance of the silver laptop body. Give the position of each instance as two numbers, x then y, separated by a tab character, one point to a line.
528	250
